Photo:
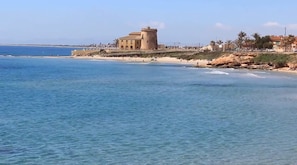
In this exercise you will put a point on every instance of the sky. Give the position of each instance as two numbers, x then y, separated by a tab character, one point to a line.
184	22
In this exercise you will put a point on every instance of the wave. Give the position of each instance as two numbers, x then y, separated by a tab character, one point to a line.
139	63
253	75
4	55
218	72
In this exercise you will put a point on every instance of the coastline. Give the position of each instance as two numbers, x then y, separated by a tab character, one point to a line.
169	60
285	70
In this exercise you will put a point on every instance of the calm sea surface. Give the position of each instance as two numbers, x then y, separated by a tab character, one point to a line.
69	111
35	51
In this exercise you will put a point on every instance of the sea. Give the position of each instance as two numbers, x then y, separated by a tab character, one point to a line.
55	109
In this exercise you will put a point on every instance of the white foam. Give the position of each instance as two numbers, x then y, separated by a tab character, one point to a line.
2	55
139	63
218	72
254	75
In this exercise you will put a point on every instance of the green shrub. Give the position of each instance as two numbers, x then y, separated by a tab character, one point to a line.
276	60
207	55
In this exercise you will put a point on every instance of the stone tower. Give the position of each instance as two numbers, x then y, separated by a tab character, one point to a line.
149	40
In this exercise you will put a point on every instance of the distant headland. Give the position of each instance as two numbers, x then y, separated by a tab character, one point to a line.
231	59
268	52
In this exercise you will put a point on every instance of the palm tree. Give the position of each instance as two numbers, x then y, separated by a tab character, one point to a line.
228	45
220	42
256	36
248	43
257	39
241	34
240	39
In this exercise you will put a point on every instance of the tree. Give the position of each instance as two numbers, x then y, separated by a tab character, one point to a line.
261	42
220	42
265	42
248	43
116	42
257	40
228	45
256	36
240	39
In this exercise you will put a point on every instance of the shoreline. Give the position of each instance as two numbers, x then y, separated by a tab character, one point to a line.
169	60
165	60
285	70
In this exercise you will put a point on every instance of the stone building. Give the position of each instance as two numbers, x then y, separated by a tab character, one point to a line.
145	40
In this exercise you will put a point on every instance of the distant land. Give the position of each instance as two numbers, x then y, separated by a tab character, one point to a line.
263	60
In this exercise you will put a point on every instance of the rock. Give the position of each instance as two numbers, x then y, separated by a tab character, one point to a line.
292	66
244	65
224	60
235	60
265	67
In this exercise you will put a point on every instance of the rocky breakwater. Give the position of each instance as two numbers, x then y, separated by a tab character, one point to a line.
238	60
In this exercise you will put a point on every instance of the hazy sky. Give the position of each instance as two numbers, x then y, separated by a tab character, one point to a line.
178	21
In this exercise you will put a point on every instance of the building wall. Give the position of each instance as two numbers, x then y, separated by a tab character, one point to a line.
129	44
149	39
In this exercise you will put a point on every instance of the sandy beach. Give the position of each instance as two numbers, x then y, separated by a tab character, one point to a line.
285	70
169	60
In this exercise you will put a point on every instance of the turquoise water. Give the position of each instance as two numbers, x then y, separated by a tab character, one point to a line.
68	111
